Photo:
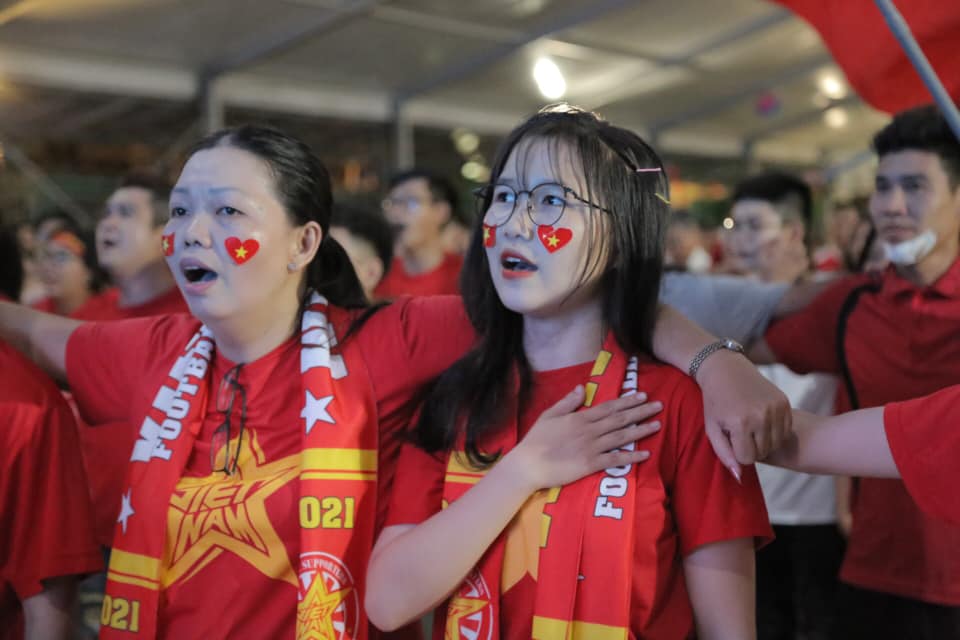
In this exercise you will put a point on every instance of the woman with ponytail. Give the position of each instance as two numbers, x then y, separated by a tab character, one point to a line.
268	420
522	517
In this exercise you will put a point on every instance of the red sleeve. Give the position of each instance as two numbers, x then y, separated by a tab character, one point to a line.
107	361
417	488
46	522
806	341
408	344
924	438
708	503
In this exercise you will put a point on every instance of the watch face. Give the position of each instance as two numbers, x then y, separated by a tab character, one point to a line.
733	345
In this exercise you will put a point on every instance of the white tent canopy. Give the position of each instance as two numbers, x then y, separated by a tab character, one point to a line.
729	78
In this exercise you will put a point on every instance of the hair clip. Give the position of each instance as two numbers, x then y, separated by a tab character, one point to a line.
662	197
648	170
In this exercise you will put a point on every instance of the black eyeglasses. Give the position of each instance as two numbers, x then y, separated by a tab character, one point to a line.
230	388
409	205
545	203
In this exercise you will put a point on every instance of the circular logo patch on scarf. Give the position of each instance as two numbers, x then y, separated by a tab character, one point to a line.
328	605
470	612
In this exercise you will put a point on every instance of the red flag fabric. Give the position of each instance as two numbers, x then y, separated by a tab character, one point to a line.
876	67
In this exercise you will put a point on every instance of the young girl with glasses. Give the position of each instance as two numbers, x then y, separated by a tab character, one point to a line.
253	492
511	518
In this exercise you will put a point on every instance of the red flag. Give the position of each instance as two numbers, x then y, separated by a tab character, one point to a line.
876	67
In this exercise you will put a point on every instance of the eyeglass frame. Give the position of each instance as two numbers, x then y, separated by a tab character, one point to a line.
484	196
232	378
404	203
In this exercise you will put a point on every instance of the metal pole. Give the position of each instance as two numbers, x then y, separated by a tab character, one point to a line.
901	31
211	105
403	144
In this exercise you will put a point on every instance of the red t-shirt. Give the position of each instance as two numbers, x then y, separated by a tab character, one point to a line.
106	306
443	280
115	370
900	343
47	305
46	523
925	440
106	447
688	501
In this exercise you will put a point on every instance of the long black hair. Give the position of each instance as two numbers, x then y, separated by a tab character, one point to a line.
11	264
302	184
623	174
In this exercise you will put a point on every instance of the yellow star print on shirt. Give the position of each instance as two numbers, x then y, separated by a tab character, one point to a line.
526	535
315	613
227	514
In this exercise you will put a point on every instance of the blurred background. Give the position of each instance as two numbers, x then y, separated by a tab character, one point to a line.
90	89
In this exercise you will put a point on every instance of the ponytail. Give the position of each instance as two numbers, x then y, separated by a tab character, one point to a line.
331	274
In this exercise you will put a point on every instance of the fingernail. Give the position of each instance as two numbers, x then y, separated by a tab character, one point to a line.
735	474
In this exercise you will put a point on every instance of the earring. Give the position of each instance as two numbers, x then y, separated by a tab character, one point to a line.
291	266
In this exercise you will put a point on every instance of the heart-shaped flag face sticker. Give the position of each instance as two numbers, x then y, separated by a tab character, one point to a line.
554	239
241	251
489	236
167	244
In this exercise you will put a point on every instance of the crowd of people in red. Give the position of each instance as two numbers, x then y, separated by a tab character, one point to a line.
278	417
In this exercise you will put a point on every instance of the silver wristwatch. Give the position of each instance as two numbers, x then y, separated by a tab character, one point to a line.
713	347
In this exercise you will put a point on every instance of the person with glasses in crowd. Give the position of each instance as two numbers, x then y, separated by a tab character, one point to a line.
419	206
68	268
772	215
268	421
523	515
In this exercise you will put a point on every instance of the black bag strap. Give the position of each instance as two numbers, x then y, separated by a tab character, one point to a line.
849	304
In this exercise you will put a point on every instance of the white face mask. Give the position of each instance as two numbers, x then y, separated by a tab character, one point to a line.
910	252
699	261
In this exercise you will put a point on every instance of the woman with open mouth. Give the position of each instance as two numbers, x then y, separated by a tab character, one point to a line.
269	418
528	511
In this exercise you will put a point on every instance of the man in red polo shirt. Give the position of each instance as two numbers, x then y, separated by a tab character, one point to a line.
891	337
418	206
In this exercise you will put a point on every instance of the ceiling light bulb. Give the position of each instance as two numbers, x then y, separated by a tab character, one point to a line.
832	86
836	118
549	79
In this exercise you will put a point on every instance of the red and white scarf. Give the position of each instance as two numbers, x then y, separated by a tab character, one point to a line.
338	459
586	555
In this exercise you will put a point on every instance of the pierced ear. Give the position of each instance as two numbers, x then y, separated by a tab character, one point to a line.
308	240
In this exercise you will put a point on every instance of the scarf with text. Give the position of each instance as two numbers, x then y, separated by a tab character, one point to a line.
337	485
586	539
